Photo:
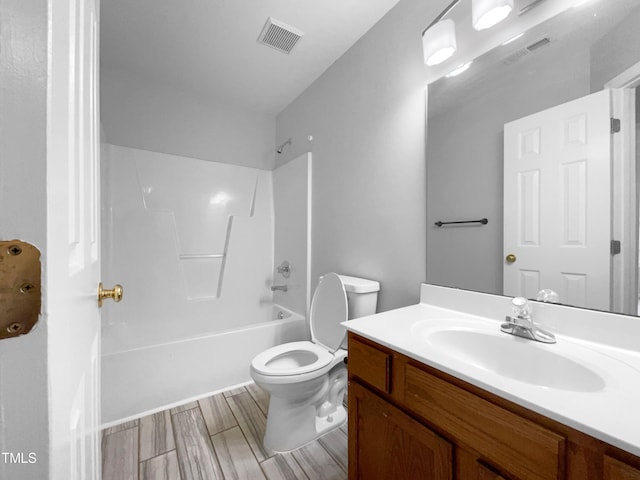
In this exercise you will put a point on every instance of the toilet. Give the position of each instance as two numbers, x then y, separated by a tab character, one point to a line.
307	379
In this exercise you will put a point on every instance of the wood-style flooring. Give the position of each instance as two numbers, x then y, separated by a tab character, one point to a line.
219	437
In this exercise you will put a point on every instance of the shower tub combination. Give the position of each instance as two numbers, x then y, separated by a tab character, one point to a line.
146	380
193	244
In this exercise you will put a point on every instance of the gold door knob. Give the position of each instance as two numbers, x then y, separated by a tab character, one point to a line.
510	258
115	293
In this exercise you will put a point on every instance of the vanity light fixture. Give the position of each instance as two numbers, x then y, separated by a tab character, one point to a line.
486	13
439	42
439	38
457	71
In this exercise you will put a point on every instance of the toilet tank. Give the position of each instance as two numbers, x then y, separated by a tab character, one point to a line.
362	295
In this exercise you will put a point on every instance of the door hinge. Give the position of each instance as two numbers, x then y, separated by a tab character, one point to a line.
615	247
20	287
615	125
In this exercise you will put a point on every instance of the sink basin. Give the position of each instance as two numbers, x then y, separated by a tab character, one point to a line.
517	358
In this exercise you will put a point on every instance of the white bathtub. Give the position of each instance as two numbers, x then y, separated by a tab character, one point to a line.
145	380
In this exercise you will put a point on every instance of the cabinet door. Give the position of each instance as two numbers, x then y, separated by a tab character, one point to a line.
487	473
384	443
616	470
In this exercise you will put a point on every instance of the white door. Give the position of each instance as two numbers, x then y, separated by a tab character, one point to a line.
557	202
73	263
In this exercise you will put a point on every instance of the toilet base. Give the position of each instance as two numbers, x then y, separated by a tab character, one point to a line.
332	421
292	424
292	435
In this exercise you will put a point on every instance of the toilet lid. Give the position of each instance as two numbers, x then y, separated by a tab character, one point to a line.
328	311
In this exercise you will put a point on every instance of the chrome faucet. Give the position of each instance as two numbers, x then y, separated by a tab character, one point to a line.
522	325
282	288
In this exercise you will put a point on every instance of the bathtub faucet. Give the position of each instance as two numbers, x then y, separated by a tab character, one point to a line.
282	288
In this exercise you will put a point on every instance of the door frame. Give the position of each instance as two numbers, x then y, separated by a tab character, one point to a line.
624	204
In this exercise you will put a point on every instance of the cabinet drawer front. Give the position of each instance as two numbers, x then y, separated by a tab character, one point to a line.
521	447
616	470
370	364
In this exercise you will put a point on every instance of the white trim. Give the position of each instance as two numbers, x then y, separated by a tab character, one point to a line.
624	227
309	232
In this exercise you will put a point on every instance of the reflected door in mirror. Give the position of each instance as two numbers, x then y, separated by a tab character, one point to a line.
557	208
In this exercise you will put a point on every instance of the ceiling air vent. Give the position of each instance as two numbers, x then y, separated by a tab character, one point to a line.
279	35
524	6
540	43
515	56
523	52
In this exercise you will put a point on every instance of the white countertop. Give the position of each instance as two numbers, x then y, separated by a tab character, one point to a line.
611	413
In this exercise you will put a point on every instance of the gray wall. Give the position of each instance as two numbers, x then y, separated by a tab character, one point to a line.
465	163
366	114
23	360
616	51
149	115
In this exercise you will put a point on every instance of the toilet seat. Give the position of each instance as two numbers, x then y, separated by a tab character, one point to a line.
292	358
300	360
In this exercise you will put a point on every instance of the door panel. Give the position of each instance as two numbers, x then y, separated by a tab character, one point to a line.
557	189
73	234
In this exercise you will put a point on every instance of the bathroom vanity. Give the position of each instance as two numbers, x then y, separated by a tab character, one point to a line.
428	404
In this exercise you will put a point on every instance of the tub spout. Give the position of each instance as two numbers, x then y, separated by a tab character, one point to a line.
282	288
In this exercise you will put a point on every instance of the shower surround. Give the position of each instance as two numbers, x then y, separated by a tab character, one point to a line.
192	242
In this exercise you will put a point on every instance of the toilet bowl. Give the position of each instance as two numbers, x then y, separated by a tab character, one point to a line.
306	380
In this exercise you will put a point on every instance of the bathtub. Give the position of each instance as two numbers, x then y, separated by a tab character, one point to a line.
146	380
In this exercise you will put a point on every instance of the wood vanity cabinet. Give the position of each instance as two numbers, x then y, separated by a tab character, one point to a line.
410	421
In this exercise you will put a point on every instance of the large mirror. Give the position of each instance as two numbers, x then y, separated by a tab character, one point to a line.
522	138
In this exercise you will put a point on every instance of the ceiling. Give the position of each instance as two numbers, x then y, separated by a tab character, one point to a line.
209	48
